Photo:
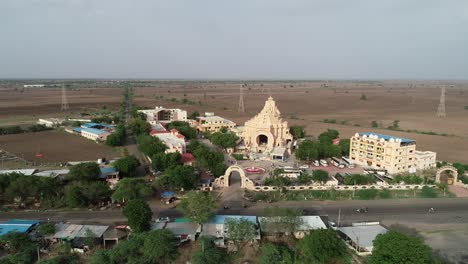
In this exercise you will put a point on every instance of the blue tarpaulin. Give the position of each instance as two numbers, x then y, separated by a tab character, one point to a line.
167	194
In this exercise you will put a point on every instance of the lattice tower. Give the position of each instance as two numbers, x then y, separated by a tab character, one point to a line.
241	100
64	99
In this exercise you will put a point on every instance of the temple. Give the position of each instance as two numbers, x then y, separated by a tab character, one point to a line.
267	132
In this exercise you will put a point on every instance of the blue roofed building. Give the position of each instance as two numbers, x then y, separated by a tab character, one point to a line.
94	131
390	153
110	175
17	225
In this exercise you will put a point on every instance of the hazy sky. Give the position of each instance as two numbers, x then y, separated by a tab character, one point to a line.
241	39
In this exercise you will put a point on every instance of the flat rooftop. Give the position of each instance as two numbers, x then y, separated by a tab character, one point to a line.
386	137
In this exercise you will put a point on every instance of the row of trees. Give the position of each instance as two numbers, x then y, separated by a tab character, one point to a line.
18	129
310	150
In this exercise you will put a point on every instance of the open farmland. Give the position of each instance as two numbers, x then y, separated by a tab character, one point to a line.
55	146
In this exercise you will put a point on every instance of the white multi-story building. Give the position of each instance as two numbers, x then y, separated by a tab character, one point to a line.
164	115
396	155
174	141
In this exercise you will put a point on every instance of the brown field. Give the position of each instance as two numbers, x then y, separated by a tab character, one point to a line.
56	146
413	103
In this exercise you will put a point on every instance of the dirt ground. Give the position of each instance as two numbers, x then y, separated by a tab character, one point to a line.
56	146
413	103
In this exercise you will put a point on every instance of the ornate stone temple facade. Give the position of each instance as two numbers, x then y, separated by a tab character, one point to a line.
266	130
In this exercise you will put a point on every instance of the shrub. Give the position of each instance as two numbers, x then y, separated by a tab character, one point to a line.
428	192
385	194
367	194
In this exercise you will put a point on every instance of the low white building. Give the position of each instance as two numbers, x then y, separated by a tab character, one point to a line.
164	115
425	159
174	141
50	122
360	236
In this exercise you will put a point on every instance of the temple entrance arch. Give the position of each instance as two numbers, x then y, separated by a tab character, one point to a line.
225	179
450	178
262	140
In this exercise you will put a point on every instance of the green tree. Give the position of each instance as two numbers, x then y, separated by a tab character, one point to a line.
320	176
374	124
297	131
117	138
307	150
96	192
207	253
178	177
149	145
224	140
127	165
90	238
197	206
357	179
20	248
395	247
74	196
88	171
45	229
363	97
193	115
138	214
240	230
184	128
304	178
275	254
327	136
345	145
128	189
68	259
163	161
159	245
321	246
139	126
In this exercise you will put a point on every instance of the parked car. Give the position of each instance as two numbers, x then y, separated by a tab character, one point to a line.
163	219
316	163
323	163
304	167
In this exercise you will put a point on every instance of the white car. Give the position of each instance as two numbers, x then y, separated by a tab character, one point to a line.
316	163
304	167
323	163
163	219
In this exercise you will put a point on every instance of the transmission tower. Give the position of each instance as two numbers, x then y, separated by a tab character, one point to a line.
64	99
441	108
241	100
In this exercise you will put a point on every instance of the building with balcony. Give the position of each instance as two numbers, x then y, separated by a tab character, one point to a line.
164	115
394	154
213	123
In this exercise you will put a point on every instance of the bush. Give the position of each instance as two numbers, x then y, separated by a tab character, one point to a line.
428	192
238	156
374	124
385	194
367	194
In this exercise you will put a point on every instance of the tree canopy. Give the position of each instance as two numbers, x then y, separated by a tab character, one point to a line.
224	140
128	189
307	150
297	131
139	126
178	177
138	214
396	247
149	145
184	128
275	254
88	171
208	253
281	219
321	246
240	230
197	206
320	176
207	159
127	165
163	161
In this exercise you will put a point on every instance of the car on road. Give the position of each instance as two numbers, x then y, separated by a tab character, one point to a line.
163	219
362	210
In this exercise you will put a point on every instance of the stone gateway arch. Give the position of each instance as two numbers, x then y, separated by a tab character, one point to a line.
223	181
452	179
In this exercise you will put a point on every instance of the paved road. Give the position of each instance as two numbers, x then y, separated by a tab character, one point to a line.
454	210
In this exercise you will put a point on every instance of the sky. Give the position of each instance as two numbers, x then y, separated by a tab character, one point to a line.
234	39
